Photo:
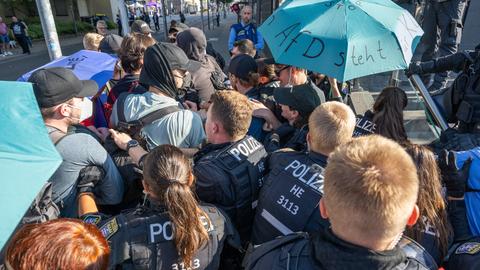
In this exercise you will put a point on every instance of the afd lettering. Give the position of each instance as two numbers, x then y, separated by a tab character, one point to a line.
311	176
245	148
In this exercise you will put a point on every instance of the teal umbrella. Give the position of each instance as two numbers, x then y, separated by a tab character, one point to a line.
27	156
344	39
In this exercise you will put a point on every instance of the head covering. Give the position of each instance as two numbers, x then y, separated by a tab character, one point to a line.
54	86
159	61
302	98
242	65
110	44
194	43
139	26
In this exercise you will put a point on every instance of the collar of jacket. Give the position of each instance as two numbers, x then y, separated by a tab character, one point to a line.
331	251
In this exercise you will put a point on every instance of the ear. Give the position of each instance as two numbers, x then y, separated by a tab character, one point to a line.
309	138
295	113
323	209
191	178
216	127
64	110
413	216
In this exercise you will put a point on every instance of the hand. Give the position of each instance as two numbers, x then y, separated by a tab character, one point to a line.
120	139
103	133
455	178
259	109
192	106
89	178
414	68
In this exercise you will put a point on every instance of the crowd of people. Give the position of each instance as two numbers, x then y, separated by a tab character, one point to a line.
19	31
176	164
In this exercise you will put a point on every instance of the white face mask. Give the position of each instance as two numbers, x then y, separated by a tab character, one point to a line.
86	108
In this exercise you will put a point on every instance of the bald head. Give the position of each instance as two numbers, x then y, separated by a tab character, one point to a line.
246	14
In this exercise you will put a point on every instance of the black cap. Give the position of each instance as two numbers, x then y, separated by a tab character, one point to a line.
54	86
302	98
241	65
269	61
110	44
141	27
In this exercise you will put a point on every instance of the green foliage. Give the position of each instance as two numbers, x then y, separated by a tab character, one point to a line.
35	29
111	25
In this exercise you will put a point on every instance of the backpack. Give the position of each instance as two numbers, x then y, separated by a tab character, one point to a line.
42	208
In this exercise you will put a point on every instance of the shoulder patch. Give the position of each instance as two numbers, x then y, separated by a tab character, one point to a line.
110	228
92	219
468	248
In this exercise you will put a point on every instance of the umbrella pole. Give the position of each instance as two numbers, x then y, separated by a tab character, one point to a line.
431	106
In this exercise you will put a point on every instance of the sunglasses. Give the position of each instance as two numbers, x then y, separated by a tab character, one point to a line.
279	70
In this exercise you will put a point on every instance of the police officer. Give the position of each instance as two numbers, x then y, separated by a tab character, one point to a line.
461	101
246	29
370	191
229	170
170	230
445	17
465	252
293	187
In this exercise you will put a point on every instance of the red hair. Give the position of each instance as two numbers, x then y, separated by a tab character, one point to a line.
58	244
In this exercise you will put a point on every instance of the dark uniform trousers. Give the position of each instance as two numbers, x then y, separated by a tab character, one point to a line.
323	250
443	18
290	196
142	238
230	176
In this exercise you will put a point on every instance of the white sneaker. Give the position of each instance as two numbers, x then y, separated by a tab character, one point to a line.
3	55
9	53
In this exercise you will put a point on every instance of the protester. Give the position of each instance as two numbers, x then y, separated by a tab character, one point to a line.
4	38
110	44
139	26
18	29
182	17
244	79
243	46
172	230
102	27
331	124
229	170
386	118
164	68
268	78
91	41
61	244
370	190
61	97
246	29
209	77
432	230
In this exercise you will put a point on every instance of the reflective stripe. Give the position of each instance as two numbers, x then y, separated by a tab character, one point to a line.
254	204
275	222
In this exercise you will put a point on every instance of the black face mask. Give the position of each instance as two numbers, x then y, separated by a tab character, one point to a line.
157	72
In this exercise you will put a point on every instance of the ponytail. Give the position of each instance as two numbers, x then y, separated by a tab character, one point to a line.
167	172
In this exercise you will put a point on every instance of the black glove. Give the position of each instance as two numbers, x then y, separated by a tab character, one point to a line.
455	178
414	68
89	178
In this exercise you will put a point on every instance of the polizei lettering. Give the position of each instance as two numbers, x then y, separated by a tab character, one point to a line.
245	148
310	175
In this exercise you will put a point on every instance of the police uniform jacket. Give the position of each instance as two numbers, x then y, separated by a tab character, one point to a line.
323	250
230	176
364	124
290	196
142	238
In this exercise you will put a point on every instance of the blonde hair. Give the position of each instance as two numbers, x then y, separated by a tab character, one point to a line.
371	187
330	125
91	41
233	110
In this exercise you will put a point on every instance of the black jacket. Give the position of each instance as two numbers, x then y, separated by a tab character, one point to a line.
324	250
